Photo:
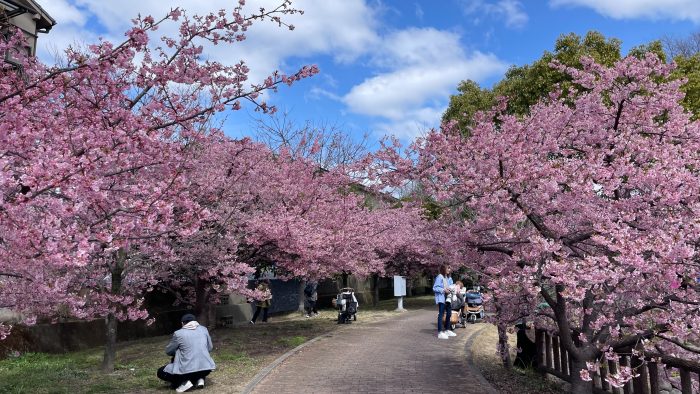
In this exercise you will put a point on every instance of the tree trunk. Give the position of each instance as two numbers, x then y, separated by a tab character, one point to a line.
503	347
375	289
111	345
110	354
302	297
578	385
202	307
345	279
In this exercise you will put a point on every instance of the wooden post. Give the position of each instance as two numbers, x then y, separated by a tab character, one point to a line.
644	379
555	351
627	388
612	366
653	369
639	382
570	363
548	350
686	381
539	345
603	371
565	363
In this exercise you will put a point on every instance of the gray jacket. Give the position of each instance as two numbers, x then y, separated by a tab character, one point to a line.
191	347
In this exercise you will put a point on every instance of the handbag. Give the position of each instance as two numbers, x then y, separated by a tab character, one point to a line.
448	296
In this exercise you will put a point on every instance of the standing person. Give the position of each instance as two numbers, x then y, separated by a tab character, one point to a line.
440	288
263	305
449	296
190	362
311	294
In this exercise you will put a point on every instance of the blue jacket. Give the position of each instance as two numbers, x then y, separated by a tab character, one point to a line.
439	288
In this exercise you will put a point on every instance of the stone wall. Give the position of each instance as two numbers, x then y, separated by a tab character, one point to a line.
79	335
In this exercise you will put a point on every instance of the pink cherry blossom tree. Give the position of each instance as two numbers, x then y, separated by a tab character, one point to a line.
93	156
588	204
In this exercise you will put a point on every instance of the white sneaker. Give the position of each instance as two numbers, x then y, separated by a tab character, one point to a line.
442	335
200	383
184	387
450	333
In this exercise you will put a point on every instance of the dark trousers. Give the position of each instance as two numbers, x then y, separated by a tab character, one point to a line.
311	307
441	315
177	380
448	315
257	312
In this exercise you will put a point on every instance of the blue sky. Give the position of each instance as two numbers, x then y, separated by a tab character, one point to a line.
387	67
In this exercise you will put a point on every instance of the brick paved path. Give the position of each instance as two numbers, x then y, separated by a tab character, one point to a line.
392	356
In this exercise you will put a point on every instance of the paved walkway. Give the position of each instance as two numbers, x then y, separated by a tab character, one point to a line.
392	356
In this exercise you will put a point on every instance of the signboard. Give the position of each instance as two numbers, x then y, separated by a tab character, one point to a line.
399	286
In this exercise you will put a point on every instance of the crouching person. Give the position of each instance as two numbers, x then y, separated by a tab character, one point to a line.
191	362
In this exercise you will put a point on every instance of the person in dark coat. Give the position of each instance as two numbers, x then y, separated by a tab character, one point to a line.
311	295
527	349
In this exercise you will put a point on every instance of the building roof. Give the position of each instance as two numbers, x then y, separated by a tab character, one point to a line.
44	21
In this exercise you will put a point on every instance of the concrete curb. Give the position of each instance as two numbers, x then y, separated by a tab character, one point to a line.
470	360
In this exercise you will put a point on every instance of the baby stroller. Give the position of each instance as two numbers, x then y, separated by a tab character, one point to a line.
347	305
455	314
475	307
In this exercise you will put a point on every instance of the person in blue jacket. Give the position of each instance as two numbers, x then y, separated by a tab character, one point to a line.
441	288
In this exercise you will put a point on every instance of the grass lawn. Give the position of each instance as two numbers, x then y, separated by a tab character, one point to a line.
240	352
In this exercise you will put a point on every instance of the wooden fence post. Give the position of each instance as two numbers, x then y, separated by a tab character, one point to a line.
565	363
548	350
539	346
627	388
612	366
555	351
603	371
653	369
686	381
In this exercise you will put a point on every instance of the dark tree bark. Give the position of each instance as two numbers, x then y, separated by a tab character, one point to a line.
110	353
375	289
203	309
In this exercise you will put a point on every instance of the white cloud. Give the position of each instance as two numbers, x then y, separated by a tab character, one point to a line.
510	10
64	12
423	66
391	94
640	9
418	123
318	31
417	68
419	11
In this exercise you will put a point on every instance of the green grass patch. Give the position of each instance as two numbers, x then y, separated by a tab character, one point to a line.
292	341
239	352
234	357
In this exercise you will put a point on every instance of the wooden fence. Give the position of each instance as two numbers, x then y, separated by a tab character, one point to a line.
552	358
